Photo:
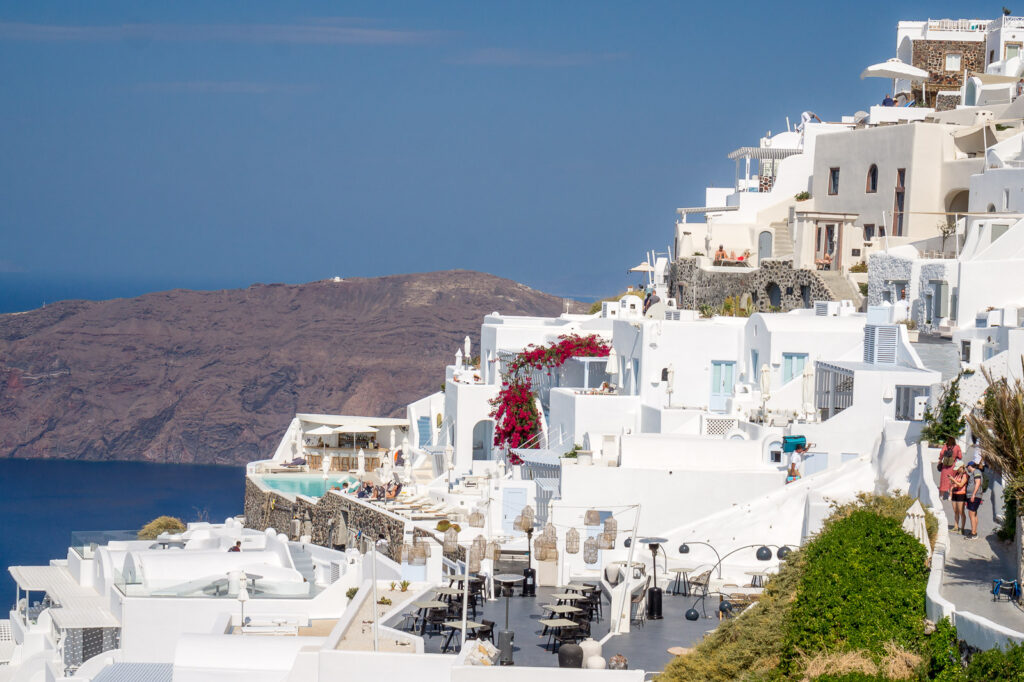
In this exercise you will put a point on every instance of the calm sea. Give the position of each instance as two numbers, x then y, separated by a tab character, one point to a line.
43	501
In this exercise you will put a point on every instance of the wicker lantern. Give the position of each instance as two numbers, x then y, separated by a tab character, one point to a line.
528	515
572	541
493	550
551	554
517	523
419	554
540	549
590	551
549	533
475	556
611	527
605	541
451	541
476	519
480	544
592	518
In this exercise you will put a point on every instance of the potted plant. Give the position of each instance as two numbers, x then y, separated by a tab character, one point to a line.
912	331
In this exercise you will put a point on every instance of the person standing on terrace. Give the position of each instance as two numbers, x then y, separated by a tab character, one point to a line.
948	456
974	485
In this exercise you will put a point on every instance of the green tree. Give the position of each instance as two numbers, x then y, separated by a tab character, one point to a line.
947	420
1000	431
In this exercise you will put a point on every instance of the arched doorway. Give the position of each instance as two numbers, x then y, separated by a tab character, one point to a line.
483	439
956	201
774	295
764	246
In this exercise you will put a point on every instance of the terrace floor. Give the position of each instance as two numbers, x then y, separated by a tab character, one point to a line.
645	646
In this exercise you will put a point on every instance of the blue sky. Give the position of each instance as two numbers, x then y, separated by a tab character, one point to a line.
209	144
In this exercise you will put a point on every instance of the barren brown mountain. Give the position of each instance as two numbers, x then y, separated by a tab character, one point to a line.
214	377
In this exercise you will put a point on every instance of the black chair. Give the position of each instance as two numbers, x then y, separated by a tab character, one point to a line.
487	631
567	634
435	620
594	604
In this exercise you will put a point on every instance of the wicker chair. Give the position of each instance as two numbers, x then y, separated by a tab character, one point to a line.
637	612
700	583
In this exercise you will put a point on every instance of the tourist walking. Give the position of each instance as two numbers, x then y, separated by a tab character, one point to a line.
958	485
948	456
974	485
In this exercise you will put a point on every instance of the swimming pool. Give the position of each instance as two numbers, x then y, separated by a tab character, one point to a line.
311	485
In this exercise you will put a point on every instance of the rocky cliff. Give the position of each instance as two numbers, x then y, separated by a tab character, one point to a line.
214	377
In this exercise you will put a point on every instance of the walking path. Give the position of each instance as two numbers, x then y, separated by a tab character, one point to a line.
971	565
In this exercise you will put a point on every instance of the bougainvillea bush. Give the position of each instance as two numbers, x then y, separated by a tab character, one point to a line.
515	408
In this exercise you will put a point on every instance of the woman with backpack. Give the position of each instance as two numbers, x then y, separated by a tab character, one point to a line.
948	456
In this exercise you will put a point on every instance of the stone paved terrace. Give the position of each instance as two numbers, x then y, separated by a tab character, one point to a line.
645	646
938	354
971	565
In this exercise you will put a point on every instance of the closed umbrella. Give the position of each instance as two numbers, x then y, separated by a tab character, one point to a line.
466	345
765	382
612	367
407	459
361	470
914	524
808	389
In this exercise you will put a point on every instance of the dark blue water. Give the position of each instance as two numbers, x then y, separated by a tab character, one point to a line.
43	501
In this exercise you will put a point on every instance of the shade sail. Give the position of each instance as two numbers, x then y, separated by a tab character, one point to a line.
894	68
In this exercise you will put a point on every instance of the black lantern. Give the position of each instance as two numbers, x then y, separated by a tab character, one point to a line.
684	548
783	553
692	614
764	554
628	542
725	607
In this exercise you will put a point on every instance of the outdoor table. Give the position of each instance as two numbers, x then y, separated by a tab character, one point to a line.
757	577
557	623
585	587
427	606
567	596
562	608
682	580
448	592
455	626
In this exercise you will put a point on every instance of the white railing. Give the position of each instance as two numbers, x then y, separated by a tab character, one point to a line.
961	24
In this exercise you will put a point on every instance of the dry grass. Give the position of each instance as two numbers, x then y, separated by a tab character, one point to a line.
898	663
838	663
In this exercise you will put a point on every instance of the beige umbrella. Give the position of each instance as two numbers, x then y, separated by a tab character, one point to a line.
612	367
643	267
808	389
361	470
897	70
914	524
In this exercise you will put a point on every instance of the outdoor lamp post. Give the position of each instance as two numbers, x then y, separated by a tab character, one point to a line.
764	553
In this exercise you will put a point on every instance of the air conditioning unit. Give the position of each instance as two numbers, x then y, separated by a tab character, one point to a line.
880	344
337	570
672	315
826	308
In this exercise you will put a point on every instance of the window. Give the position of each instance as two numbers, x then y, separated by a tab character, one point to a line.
965	351
833	181
898	202
872	184
953	60
1006	200
869	232
905	396
1012	50
793	366
753	365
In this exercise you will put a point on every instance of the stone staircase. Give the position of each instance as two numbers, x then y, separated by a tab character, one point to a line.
303	562
841	287
782	245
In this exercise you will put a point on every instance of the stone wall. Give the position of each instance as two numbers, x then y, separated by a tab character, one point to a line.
270	509
774	278
931	56
947	102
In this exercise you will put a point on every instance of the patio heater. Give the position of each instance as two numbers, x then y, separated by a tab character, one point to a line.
506	636
654	592
529	573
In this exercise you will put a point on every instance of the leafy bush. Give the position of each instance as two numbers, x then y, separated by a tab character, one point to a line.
995	665
863	286
351	592
862	266
863	587
893	506
384	601
161	524
942	653
802	196
1008	530
947	420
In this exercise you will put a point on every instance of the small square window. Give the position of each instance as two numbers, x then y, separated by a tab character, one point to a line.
953	60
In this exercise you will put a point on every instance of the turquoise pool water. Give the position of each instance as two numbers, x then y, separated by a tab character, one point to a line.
311	485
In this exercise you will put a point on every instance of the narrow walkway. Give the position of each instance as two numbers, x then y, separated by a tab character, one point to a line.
971	565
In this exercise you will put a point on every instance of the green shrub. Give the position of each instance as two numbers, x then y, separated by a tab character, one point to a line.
996	665
161	524
863	286
862	266
863	587
1008	530
351	592
947	420
851	677
892	506
942	653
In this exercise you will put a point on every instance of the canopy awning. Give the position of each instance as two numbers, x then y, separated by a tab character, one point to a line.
705	209
77	606
895	69
764	152
354	428
643	267
321	431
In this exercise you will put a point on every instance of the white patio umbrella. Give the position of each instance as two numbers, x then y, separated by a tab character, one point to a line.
612	367
394	438
643	267
361	469
914	524
808	389
325	464
896	69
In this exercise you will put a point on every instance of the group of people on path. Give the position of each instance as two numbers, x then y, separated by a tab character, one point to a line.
963	485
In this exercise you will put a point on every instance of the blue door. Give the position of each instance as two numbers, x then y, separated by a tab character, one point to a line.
764	246
512	502
722	378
